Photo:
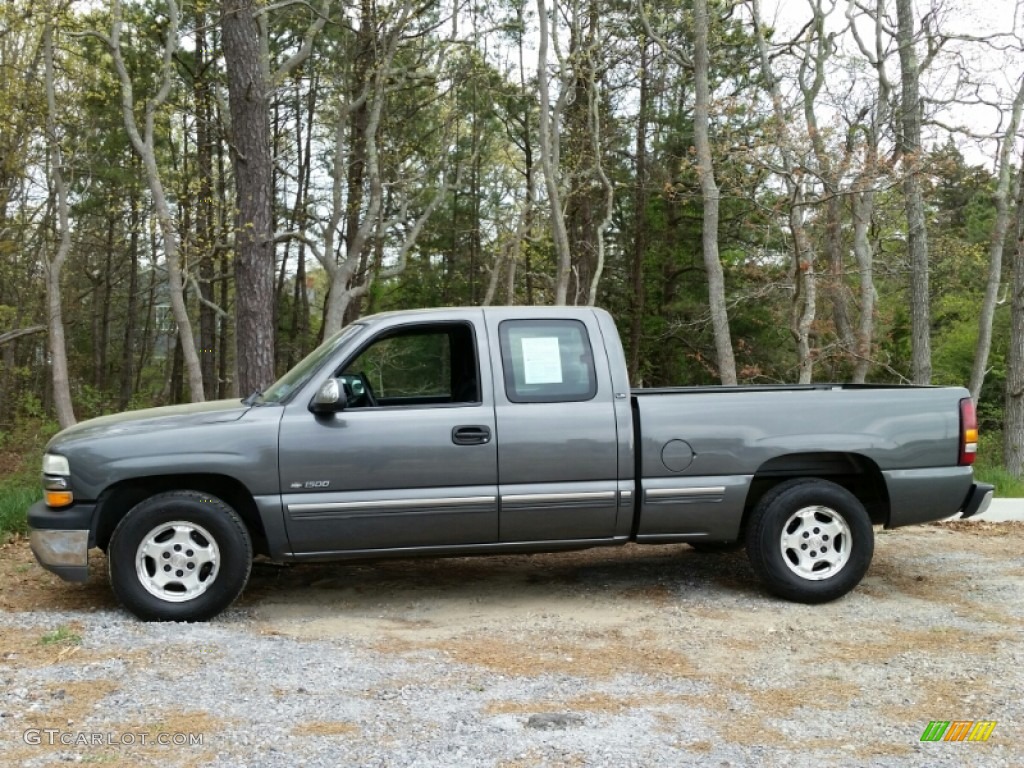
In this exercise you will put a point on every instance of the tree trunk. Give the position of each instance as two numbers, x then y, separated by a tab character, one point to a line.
102	340
1013	429
550	164
54	313
804	305
863	206
128	348
710	195
639	221
917	232
206	236
1003	194
252	162
144	145
227	383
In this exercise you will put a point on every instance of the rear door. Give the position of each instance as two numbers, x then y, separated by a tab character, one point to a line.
558	459
411	462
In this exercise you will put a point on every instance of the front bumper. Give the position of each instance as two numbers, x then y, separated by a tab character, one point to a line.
978	500
60	539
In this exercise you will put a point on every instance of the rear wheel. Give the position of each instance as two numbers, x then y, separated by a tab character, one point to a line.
179	556
810	541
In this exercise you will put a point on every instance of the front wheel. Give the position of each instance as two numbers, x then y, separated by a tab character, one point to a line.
179	556
810	541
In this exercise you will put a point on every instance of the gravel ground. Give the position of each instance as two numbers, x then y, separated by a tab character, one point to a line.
634	656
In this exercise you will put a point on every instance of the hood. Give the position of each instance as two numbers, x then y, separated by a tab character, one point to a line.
150	419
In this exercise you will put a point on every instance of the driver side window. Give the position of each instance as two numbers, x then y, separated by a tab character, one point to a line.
415	366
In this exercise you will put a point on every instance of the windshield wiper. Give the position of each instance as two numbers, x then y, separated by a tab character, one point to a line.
251	399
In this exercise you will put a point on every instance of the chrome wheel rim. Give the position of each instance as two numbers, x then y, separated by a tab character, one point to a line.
177	561
816	543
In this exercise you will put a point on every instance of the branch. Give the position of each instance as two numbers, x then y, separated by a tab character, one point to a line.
17	333
678	56
300	56
205	302
302	237
414	233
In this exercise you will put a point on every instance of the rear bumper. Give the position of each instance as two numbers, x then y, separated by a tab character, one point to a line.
978	500
60	539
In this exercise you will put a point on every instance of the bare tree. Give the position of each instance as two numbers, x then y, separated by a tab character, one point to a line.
804	305
549	158
144	145
909	145
347	281
864	185
831	162
1001	197
1013	429
54	265
710	194
608	191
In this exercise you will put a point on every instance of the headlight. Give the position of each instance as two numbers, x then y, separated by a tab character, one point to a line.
56	486
55	465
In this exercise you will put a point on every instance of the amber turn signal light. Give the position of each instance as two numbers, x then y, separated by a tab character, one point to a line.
58	498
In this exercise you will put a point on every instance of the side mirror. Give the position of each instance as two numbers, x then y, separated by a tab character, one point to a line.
330	398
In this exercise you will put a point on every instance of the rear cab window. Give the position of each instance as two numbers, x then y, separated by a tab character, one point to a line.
547	361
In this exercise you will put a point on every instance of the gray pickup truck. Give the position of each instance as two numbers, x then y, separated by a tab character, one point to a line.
496	430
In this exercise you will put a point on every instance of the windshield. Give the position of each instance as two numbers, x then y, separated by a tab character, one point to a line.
299	375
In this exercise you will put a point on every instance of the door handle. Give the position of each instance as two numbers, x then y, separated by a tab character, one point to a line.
471	435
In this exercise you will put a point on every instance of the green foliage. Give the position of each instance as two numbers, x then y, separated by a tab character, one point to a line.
16	496
62	635
988	467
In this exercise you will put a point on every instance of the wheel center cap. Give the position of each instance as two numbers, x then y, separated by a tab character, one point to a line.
178	560
817	543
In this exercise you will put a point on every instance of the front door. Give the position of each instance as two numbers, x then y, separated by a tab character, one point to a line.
411	462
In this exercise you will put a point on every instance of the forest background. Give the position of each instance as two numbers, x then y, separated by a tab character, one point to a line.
193	194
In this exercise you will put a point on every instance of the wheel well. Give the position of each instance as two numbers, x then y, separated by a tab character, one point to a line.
116	501
854	472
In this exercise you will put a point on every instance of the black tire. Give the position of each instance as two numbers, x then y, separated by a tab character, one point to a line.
810	540
711	547
207	557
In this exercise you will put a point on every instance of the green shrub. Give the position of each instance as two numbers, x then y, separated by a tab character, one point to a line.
16	496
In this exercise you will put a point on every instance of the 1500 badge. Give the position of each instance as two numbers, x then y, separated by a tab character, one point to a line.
312	484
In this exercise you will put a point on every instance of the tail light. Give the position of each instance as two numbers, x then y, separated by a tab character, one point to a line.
968	432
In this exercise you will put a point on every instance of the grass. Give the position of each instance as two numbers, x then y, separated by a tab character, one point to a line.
21	450
61	636
1007	486
988	468
17	494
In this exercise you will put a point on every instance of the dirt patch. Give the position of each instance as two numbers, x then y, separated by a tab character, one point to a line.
594	655
30	587
58	645
536	757
591	702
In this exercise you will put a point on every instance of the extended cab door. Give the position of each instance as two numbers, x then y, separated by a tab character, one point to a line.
558	462
412	460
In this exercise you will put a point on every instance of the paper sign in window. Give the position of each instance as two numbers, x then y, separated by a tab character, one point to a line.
542	360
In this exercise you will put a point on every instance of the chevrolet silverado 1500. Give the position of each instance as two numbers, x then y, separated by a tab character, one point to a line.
496	430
